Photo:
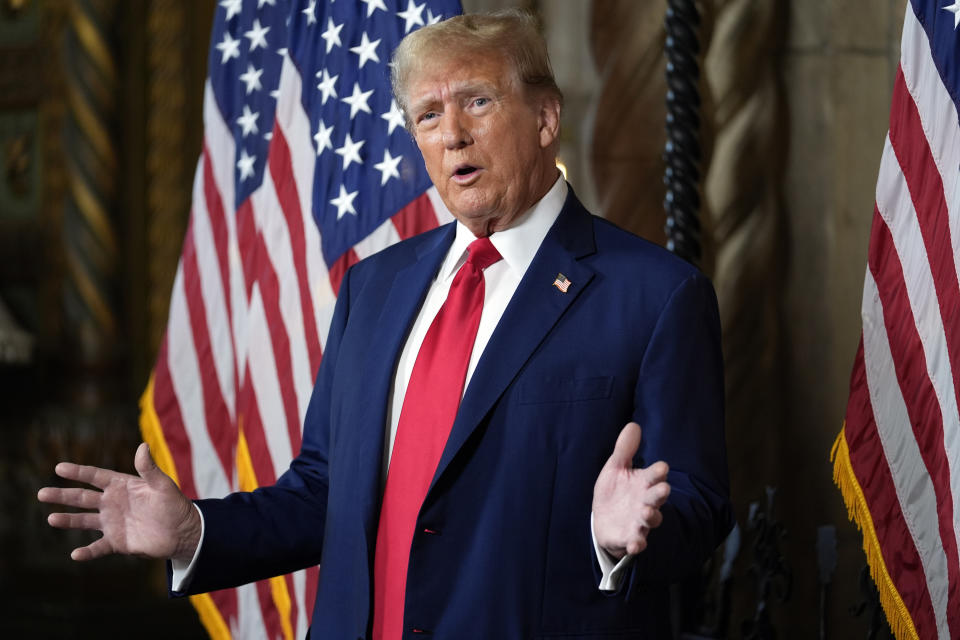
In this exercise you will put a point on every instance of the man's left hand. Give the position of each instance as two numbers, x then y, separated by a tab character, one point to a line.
627	500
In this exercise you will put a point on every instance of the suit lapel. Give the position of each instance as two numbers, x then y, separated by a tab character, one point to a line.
401	303
533	311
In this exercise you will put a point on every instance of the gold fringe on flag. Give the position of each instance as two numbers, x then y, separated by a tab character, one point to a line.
857	510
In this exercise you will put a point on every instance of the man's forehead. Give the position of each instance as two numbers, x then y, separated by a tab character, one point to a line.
453	78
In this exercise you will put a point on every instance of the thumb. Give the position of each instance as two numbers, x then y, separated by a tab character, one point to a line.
144	464
628	442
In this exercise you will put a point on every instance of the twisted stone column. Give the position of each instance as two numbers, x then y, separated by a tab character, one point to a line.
745	190
89	236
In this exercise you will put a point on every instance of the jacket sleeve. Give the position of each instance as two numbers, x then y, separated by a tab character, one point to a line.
679	404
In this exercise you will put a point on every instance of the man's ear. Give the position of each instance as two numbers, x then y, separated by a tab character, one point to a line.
549	121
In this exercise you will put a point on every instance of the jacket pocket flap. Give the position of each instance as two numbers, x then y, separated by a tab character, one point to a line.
565	389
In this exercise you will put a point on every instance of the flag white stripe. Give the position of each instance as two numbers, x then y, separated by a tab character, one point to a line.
249	622
276	237
293	122
220	141
300	594
219	138
938	113
913	485
266	385
210	479
896	208
941	128
381	237
211	287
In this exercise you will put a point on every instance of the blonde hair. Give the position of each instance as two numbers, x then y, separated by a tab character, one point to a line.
512	33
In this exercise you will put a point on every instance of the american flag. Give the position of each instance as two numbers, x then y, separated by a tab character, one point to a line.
306	168
561	282
897	459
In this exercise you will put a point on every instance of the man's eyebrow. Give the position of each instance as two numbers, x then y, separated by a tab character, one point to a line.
474	88
461	91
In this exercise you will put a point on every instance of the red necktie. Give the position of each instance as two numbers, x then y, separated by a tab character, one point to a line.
429	409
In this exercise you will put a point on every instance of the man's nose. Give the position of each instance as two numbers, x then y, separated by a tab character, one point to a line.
456	134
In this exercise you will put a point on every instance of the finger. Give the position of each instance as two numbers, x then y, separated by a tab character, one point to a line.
628	442
79	498
638	542
96	476
650	518
96	549
656	472
74	520
145	466
656	495
654	519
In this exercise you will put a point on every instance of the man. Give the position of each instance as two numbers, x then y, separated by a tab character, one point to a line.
456	476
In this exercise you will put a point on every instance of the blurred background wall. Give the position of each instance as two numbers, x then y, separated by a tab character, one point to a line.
100	110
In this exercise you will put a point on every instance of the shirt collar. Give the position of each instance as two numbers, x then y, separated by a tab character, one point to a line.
518	244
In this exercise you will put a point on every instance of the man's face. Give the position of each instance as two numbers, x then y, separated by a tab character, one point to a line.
487	145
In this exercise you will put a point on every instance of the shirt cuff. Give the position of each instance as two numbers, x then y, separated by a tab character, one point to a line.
182	571
612	570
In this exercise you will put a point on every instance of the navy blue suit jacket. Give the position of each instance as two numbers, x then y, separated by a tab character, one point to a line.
503	547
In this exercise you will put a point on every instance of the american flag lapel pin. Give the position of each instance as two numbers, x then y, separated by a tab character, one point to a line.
561	282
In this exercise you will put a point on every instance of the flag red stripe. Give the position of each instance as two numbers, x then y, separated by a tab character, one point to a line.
219	424
247	244
869	462
279	339
256	437
253	431
339	269
168	413
418	216
221	240
271	617
281	169
910	365
313	580
926	189
218	225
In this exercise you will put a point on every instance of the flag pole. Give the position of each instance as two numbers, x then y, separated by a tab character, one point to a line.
682	152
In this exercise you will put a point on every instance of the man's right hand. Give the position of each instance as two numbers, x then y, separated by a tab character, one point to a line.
144	515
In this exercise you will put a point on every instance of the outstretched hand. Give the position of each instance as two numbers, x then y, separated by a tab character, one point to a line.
627	501
144	515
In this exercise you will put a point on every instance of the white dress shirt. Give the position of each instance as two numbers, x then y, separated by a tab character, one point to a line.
517	246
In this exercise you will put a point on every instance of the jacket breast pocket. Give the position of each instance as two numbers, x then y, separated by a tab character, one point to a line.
553	390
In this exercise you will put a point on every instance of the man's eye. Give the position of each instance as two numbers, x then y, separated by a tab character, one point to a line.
480	102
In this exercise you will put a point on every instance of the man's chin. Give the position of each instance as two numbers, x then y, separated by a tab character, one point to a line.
481	221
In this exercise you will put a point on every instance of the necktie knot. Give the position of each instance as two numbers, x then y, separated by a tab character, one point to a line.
482	253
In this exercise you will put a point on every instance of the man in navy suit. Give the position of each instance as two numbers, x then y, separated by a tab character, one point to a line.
530	527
